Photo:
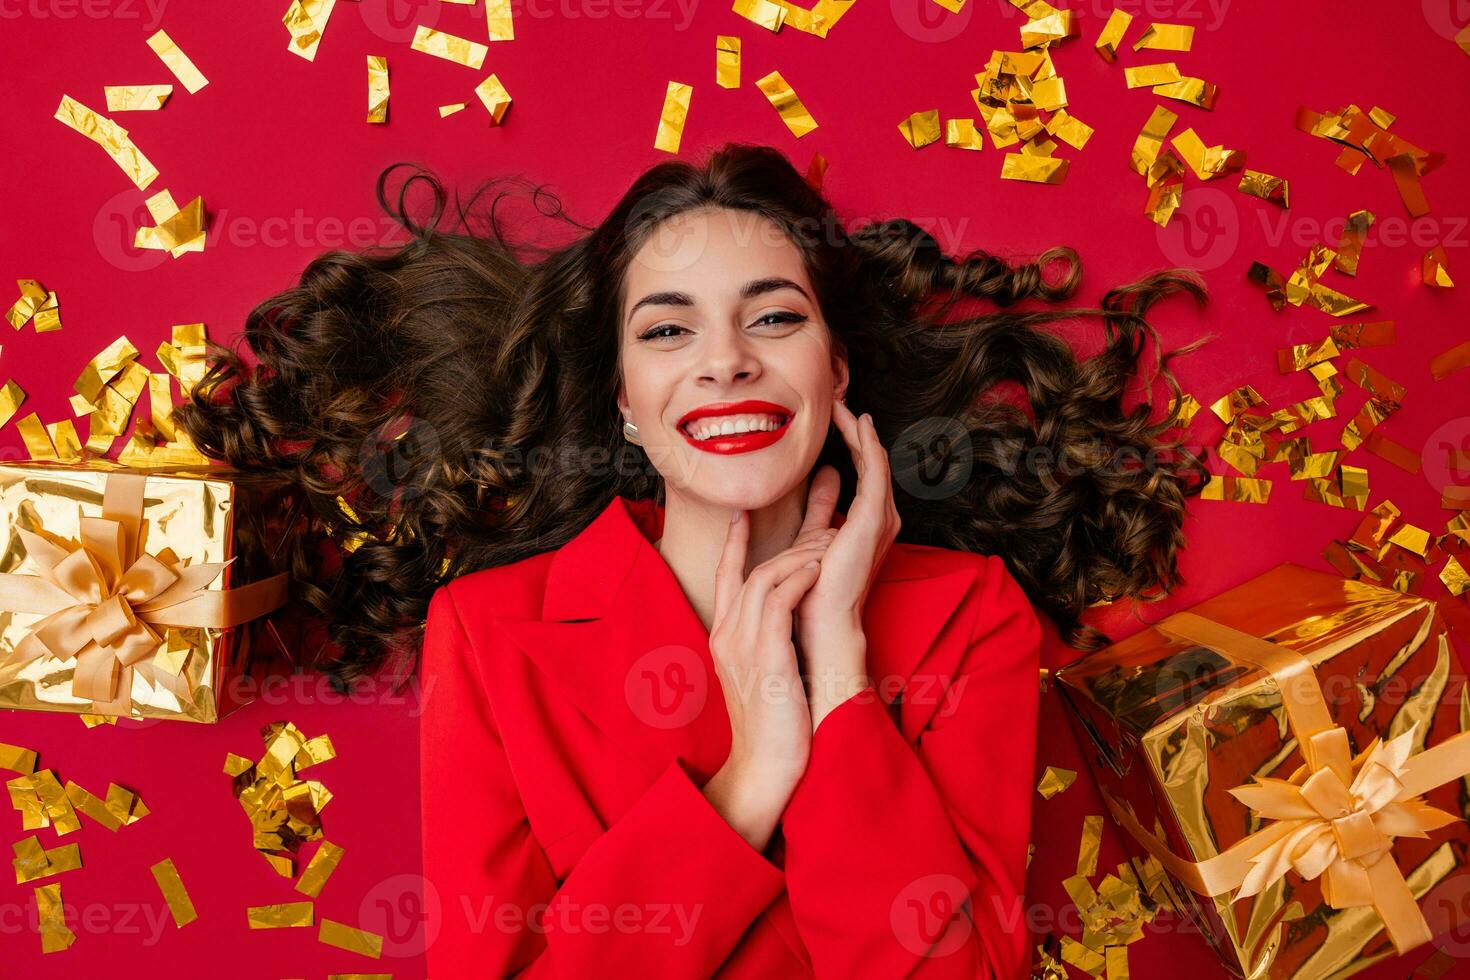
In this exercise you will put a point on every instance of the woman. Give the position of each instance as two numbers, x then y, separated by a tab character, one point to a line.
690	708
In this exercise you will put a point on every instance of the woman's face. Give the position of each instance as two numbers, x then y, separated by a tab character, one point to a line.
727	366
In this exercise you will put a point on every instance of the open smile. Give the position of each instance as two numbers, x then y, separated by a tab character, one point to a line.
735	427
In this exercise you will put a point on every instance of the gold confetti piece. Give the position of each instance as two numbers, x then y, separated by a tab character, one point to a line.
962	134
111	137
672	117
1081	957
306	20
1151	140
178	62
126	805
284	811
494	97
1266	187
286	916
359	976
1207	162
353	940
1236	489
440	44
136	98
920	128
1117	962
1385	448
763	13
786	102
1441	366
179	230
499	21
1416	539
727	61
1165	37
37	439
313	751
174	892
377	68
1055	25
17	759
1462	39
1055	780
449	110
1147	76
319	869
953	6
1090	845
51	919
1374	382
1350	245
90	806
1433	270
1069	129
1454	577
33	861
1112	35
1195	91
1039	170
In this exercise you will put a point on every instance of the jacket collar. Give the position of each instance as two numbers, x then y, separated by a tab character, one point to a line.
618	636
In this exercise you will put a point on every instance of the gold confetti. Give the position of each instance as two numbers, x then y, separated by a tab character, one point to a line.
1350	245
353	940
51	919
286	916
1207	161
1441	366
494	97
1236	489
17	758
1036	169
499	22
306	20
786	102
1266	187
763	13
451	109
1147	76
33	861
1433	270
176	61
42	802
672	117
962	134
920	128
179	230
1089	846
377	67
1165	37
284	811
727	61
36	304
319	869
136	98
450	47
1117	962
111	137
1069	129
174	892
1055	25
1195	91
1055	780
1454	577
1112	34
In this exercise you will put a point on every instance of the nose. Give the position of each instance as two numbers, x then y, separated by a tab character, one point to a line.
728	357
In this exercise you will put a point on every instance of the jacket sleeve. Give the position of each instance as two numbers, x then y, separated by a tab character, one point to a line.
911	860
666	891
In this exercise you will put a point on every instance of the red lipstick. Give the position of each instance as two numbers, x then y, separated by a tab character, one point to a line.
736	442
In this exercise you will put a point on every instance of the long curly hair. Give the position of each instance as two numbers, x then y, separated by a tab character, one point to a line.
438	400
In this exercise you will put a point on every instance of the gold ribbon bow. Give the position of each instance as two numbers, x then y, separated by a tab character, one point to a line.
104	598
1336	816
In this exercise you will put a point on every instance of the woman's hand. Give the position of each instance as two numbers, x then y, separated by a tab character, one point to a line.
755	658
829	617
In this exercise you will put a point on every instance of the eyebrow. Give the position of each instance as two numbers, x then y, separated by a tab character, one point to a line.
755	287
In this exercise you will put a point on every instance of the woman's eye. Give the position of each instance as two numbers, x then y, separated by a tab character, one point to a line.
658	332
782	317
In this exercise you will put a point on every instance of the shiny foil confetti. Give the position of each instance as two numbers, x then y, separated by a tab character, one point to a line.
1036	169
353	940
306	20
136	98
1090	845
817	20
450	47
33	861
1433	271
36	305
1147	76
499	21
920	128
494	98
1165	37
1442	365
1265	186
17	758
179	230
377	99
111	137
42	802
290	915
1055	780
174	893
1366	139
1069	129
451	109
319	870
51	919
727	61
1350	244
1207	162
786	102
672	117
177	62
1195	91
762	13
962	134
1112	35
284	811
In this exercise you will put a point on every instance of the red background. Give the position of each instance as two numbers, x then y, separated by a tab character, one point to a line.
279	150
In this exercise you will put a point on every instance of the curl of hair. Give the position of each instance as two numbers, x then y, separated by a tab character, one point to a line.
437	399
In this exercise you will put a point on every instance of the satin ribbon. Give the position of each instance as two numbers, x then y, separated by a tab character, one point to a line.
104	599
1336	816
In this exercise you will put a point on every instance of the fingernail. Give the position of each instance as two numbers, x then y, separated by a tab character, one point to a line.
810	564
735	517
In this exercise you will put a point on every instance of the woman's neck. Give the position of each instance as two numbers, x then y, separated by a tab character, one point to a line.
694	538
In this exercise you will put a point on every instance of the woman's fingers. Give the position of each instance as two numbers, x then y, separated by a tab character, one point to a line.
766	577
730	572
821	503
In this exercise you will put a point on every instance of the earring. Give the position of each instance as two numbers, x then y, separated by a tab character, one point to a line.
630	433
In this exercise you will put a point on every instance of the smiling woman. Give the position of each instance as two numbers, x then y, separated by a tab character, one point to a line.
496	432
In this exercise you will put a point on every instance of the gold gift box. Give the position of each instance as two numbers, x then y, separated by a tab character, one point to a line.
1172	724
189	515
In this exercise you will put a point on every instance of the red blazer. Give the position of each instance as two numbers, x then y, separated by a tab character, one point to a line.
571	714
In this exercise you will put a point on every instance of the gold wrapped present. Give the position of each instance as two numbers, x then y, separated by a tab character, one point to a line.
138	592
1294	754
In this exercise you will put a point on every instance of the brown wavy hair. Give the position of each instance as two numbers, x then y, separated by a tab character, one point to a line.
415	391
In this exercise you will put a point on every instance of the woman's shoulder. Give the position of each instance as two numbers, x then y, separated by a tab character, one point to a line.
996	599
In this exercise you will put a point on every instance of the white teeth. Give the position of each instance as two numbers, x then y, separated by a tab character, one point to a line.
732	424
